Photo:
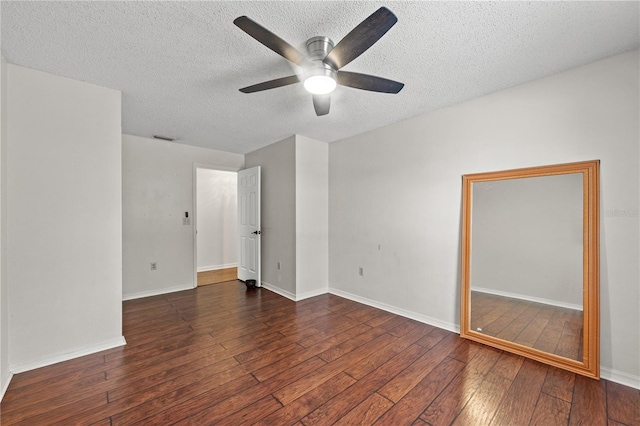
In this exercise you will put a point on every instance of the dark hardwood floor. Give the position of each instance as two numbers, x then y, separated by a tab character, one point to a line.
549	328
223	355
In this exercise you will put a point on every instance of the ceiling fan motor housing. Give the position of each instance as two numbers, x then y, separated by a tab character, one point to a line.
319	47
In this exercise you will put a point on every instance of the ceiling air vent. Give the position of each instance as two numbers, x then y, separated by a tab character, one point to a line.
164	138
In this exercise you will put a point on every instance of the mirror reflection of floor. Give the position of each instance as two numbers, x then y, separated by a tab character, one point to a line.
548	328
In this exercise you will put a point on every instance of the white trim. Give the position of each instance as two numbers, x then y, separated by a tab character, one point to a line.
620	377
217	267
402	312
150	293
5	385
215	167
292	296
312	293
66	356
277	290
394	310
528	298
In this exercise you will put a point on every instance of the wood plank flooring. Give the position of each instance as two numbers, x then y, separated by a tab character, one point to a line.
217	276
226	355
549	328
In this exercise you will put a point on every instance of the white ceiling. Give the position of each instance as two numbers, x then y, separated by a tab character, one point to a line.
179	65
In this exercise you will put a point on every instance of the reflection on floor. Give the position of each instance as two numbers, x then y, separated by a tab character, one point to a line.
549	328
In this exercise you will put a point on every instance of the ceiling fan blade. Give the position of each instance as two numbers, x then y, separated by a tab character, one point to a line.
321	104
368	82
271	84
270	40
361	38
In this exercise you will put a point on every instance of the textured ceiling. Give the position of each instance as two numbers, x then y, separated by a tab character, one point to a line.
179	65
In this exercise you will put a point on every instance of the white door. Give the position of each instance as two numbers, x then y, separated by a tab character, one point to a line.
249	225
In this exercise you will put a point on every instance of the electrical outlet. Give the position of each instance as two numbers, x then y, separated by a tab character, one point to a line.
186	221
154	266
361	271
278	265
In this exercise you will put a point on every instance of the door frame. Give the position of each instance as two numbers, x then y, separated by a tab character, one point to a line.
194	209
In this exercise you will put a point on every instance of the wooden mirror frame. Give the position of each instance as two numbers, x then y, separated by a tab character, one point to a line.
590	364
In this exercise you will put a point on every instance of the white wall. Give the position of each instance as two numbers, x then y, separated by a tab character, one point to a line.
312	217
217	219
64	227
533	225
5	374
278	210
395	194
294	215
157	189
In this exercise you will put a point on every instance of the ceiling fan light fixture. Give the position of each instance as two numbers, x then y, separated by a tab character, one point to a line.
320	84
320	80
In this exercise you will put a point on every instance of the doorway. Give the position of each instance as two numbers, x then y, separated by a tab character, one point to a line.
216	246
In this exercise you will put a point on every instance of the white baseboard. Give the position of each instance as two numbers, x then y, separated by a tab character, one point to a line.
279	291
620	377
292	296
217	267
157	292
5	384
394	310
312	293
528	298
66	356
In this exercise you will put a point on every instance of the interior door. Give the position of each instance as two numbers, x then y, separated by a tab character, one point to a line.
249	233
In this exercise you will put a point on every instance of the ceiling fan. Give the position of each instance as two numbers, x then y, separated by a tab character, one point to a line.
321	67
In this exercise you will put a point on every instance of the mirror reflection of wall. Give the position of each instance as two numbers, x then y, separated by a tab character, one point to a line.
527	237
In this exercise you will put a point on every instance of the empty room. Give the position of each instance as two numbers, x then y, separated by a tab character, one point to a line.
319	213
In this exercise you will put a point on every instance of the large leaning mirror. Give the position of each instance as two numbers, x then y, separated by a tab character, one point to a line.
530	277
